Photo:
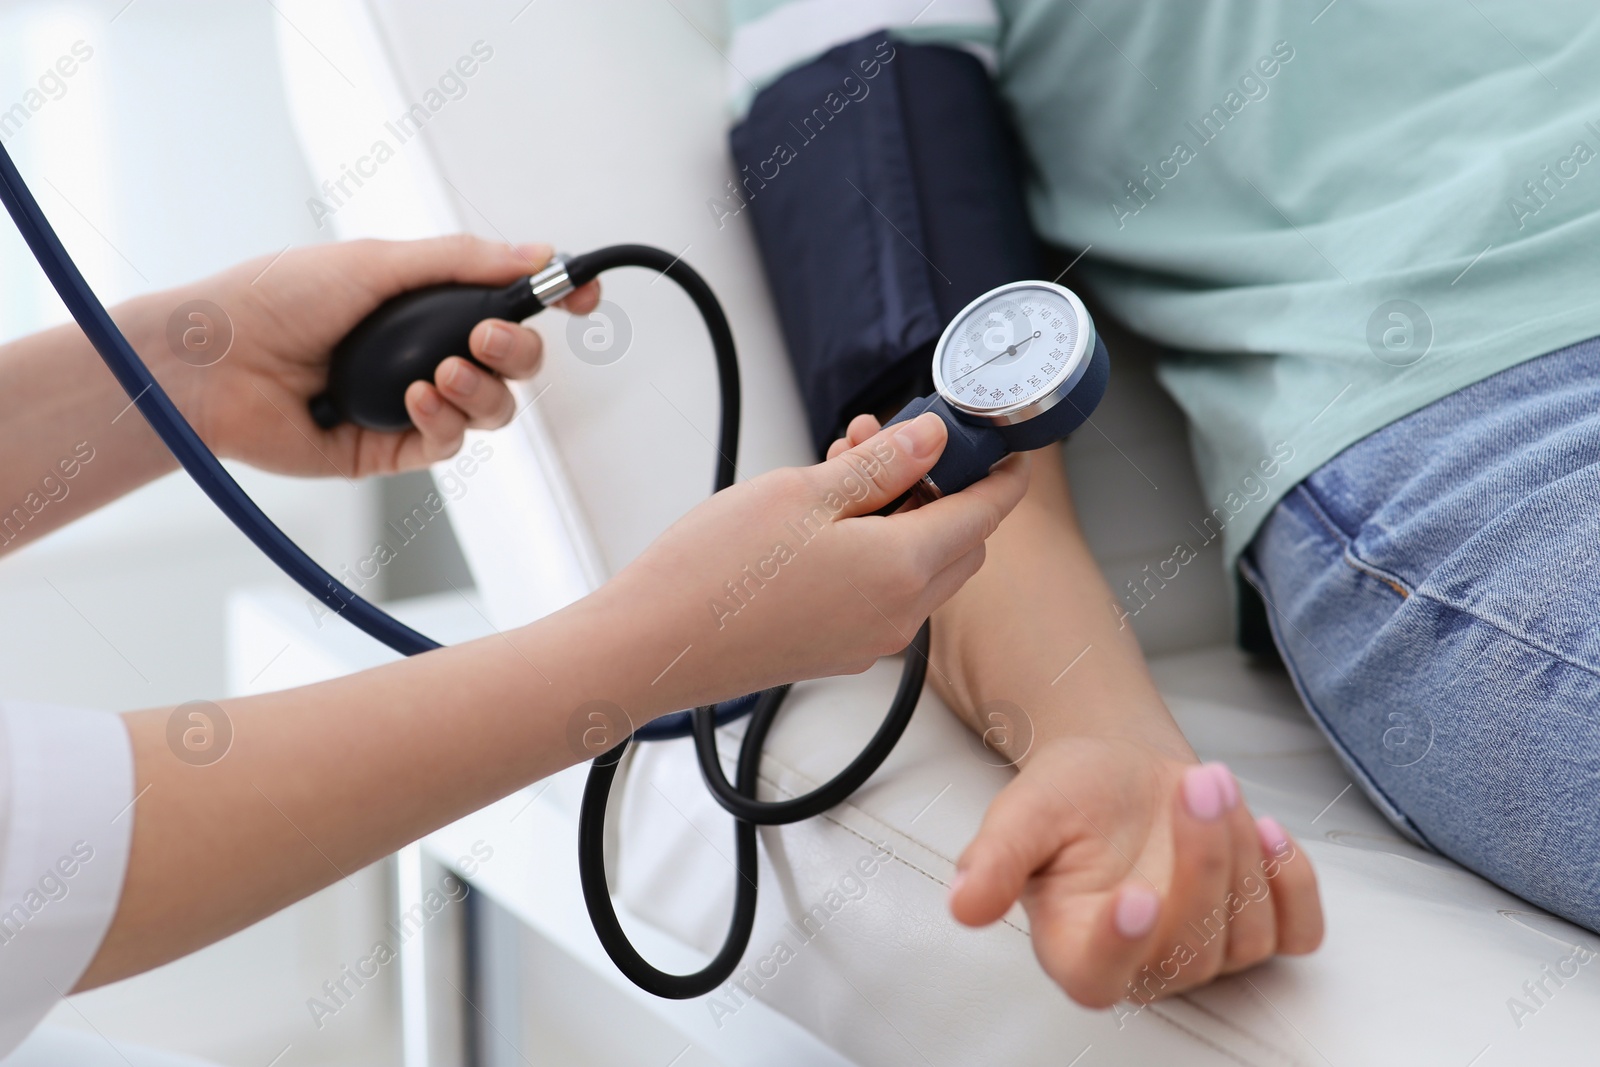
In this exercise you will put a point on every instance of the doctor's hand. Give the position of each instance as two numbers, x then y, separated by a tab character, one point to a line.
790	575
286	314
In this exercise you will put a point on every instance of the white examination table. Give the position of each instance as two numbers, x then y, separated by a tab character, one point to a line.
603	121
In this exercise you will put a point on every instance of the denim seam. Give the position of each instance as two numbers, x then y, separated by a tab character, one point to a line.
1358	773
1321	512
1372	570
1520	638
1405	590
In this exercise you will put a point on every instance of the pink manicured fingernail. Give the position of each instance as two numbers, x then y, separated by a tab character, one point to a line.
1202	793
1274	839
496	343
1136	911
957	882
1226	783
428	401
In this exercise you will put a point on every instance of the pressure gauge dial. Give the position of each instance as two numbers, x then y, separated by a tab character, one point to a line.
1014	353
1019	368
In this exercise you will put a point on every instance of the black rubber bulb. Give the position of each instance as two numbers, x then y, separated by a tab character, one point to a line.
404	341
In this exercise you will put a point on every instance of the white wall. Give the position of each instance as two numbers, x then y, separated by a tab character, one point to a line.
170	155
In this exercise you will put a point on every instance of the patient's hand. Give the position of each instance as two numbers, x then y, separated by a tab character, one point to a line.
1142	874
1121	847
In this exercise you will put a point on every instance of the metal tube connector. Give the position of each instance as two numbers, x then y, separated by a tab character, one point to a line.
552	283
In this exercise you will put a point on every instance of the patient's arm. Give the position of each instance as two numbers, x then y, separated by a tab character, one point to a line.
1141	871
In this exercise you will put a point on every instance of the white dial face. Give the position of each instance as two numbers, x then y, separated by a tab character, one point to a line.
1010	349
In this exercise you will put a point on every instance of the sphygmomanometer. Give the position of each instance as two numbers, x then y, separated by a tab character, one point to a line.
898	254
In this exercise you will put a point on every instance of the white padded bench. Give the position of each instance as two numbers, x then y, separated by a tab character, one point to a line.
604	121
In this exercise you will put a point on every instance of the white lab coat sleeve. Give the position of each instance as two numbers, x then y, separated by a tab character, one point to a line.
66	822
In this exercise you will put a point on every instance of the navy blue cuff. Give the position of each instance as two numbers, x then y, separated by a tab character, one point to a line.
884	184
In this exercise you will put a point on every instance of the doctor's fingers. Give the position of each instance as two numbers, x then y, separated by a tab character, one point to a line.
397	266
941	532
441	426
506	348
860	429
869	475
581	300
484	401
461	397
944	585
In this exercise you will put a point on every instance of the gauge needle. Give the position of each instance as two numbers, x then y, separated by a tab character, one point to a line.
1011	350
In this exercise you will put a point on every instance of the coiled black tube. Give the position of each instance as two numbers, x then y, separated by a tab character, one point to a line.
738	798
741	804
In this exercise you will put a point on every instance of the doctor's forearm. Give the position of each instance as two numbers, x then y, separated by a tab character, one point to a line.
71	441
323	780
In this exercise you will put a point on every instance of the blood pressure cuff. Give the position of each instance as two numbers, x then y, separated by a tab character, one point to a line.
885	188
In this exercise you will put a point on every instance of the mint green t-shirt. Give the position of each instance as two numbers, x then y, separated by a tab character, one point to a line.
1337	212
1331	213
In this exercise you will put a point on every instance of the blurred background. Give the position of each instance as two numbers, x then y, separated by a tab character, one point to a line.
167	155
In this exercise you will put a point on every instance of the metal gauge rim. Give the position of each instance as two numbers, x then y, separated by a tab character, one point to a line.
1054	391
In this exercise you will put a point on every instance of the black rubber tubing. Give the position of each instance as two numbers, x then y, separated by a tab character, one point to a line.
739	798
741	804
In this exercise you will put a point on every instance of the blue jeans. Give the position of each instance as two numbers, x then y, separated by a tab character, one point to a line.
1435	592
